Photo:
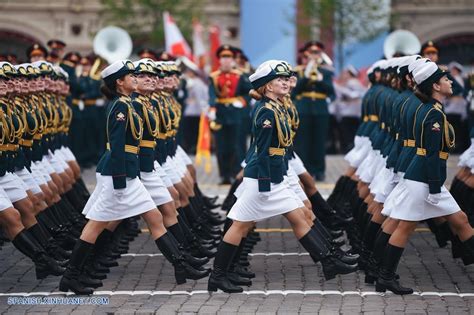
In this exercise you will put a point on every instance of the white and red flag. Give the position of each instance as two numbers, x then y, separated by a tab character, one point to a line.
199	48
176	45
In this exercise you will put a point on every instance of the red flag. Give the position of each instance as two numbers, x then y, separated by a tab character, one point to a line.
176	45
203	148
215	42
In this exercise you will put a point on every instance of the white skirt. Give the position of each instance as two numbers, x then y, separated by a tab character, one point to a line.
5	202
184	156
252	206
359	153
390	180
297	165
294	183
365	168
69	155
171	171
13	186
38	168
161	172
408	202
47	165
466	159
179	165
55	162
156	187
29	181
109	204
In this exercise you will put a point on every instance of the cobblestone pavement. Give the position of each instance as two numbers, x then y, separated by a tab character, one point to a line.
287	281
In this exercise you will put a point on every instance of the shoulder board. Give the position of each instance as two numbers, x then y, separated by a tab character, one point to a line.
438	106
125	99
269	106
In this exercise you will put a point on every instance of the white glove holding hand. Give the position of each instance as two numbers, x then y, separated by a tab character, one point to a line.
309	68
433	198
211	115
238	104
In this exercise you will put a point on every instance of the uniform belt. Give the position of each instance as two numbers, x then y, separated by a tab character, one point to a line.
373	118
38	136
276	151
75	101
26	143
90	102
366	118
128	148
161	136
9	147
409	143
442	155
313	95
227	100
147	144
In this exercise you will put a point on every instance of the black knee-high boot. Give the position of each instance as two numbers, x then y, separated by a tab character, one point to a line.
184	246
468	252
317	247
182	270
387	275
71	279
323	211
338	188
441	231
232	273
218	278
230	199
48	243
44	265
346	258
373	265
236	266
197	248
370	235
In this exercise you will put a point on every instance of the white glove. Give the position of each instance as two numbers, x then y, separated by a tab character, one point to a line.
238	104
264	195
433	198
81	105
308	69
211	115
100	102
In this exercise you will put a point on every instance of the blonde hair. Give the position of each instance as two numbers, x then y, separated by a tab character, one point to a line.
258	93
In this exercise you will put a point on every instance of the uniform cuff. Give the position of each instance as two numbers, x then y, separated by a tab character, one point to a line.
435	187
119	182
264	184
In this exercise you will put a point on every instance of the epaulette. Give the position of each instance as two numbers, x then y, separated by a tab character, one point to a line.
269	106
68	63
438	106
125	99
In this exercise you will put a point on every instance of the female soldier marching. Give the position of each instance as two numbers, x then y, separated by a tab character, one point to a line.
263	193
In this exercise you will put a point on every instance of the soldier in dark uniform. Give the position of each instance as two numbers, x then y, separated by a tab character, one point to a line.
228	91
76	138
311	95
36	52
56	50
89	86
421	194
